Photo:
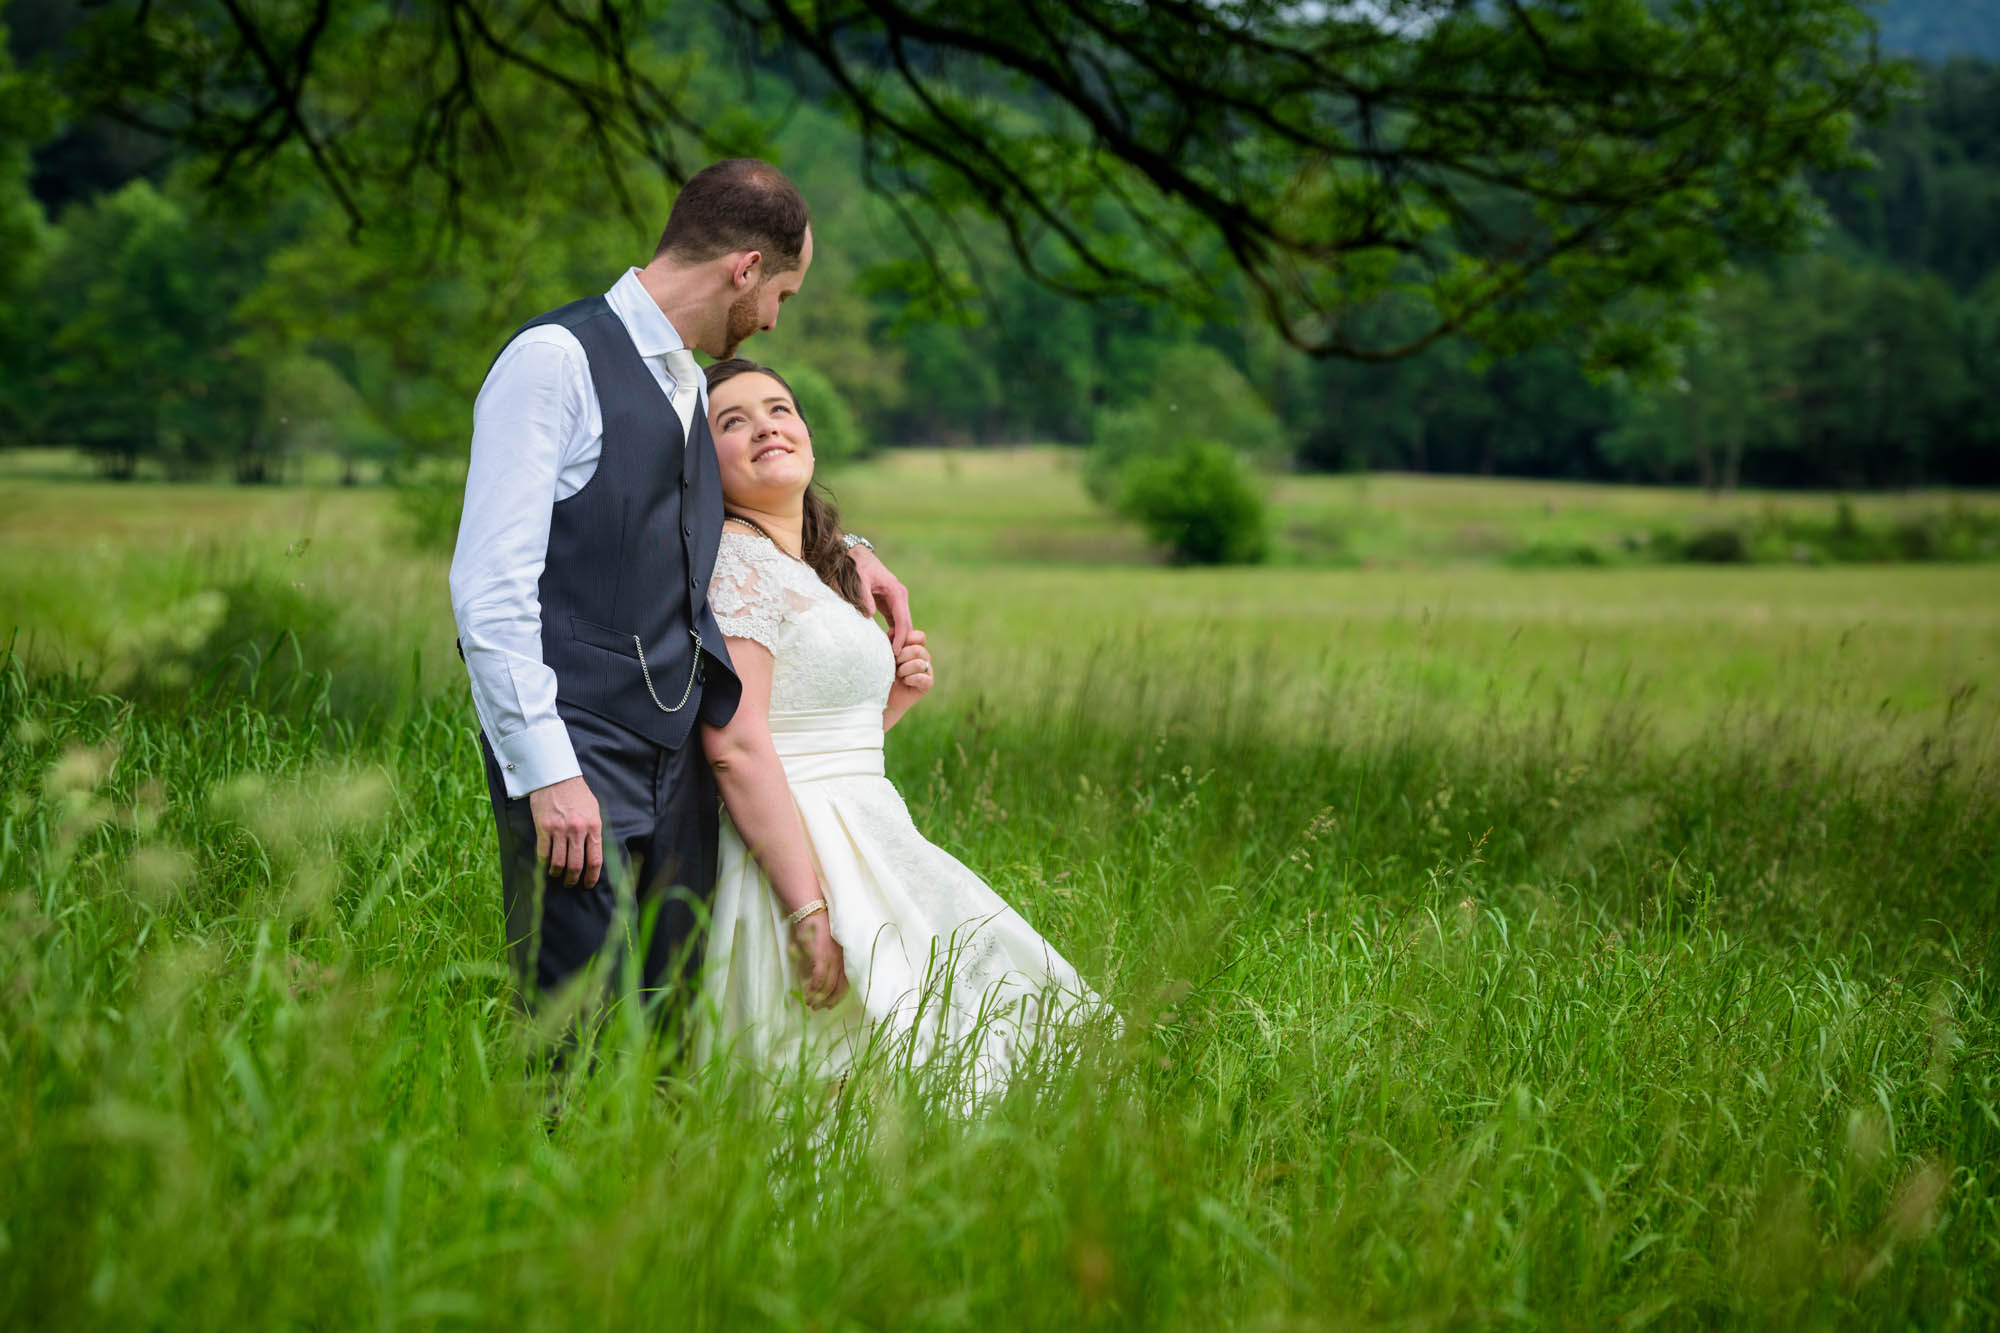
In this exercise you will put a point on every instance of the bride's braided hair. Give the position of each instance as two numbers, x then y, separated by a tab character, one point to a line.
819	539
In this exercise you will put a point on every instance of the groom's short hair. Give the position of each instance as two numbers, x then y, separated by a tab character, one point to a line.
737	204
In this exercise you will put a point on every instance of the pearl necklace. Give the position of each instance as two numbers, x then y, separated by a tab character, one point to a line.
765	534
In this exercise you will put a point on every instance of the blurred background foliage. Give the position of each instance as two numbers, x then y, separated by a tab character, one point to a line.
173	319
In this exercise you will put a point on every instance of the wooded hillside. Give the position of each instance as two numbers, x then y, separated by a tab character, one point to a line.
199	305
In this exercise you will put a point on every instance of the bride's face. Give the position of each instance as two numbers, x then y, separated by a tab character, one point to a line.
760	441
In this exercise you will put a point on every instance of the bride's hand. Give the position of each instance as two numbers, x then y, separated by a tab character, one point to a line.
913	670
822	966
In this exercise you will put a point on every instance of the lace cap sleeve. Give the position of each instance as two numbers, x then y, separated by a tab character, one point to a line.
747	591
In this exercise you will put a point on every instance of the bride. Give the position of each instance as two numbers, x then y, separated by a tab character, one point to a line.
837	927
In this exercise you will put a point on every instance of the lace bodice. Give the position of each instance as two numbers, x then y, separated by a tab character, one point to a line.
827	654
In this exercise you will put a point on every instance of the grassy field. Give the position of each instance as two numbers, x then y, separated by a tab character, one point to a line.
1028	506
1578	948
1028	585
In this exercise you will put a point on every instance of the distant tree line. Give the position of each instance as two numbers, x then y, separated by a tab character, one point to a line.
156	320
1822	371
1874	361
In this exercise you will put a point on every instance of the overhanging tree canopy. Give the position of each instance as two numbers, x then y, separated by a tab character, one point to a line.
1373	176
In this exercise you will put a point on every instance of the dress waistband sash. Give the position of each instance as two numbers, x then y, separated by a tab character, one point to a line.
821	743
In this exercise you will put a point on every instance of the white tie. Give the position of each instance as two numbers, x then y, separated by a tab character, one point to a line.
680	365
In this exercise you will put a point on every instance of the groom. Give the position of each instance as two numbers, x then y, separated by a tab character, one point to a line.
593	511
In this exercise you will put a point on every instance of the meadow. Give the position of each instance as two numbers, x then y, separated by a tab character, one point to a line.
1495	946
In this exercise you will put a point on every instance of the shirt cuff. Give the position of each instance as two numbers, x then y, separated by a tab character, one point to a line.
535	757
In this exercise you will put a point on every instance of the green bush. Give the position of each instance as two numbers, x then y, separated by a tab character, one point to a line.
1555	555
1958	533
1197	394
1197	500
1716	546
1918	538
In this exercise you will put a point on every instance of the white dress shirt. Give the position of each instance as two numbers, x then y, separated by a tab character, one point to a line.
537	433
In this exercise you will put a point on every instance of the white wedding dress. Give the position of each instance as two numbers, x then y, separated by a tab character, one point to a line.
940	970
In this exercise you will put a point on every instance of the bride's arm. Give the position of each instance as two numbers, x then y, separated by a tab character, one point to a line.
753	785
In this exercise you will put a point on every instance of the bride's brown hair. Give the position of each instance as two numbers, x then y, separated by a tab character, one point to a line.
819	539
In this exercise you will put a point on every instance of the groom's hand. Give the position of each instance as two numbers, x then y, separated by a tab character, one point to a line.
884	592
569	831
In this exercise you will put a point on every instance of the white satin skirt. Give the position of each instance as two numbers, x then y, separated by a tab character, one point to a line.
941	972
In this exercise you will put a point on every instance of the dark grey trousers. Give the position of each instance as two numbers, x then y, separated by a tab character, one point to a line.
660	809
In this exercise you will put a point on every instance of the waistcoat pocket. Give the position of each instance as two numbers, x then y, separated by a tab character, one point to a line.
602	636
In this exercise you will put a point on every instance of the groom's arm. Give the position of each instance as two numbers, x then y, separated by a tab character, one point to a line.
525	424
882	591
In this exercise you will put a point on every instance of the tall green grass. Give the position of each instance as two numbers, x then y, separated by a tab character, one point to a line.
1547	1019
1557	948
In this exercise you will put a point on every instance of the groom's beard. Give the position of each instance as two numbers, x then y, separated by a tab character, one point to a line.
742	321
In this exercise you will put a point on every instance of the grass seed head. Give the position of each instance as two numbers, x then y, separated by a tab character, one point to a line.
1867	1137
158	874
81	769
1913	1213
149	808
316	806
312	888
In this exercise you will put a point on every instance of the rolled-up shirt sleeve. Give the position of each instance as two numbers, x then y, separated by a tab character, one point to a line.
524	422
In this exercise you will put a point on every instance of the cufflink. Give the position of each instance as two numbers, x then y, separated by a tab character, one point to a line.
510	768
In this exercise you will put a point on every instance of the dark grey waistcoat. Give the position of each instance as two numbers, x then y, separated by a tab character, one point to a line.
625	620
